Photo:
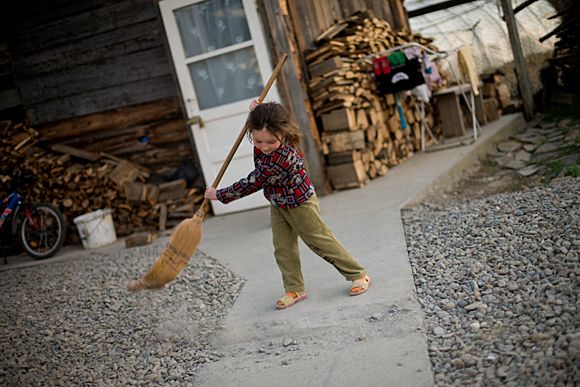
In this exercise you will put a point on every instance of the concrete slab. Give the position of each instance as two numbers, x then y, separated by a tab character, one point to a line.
332	339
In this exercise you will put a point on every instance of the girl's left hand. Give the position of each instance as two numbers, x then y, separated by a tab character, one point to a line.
210	193
254	104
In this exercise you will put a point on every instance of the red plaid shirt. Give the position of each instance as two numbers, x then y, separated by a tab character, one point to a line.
280	174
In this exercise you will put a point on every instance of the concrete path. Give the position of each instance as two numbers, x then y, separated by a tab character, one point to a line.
331	339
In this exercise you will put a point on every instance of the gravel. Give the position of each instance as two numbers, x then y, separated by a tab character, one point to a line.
73	323
498	280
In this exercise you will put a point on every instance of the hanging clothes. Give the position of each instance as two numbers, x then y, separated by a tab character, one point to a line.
401	111
431	72
397	73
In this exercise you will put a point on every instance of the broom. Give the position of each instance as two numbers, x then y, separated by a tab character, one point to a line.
187	235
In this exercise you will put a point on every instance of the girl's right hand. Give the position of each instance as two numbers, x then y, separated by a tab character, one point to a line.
254	104
210	193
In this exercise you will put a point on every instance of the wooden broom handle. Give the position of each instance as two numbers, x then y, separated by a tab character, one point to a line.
205	204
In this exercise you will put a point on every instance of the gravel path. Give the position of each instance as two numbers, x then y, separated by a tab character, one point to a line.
73	323
498	279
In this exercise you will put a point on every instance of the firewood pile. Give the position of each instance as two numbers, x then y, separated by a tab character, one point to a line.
362	135
563	71
79	181
153	135
497	99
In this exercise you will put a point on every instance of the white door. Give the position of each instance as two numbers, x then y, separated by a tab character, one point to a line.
222	64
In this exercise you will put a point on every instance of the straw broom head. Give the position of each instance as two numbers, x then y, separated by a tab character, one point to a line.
175	257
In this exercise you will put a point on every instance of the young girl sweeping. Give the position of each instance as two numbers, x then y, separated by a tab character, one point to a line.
279	172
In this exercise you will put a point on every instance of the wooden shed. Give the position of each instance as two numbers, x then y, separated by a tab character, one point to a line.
160	83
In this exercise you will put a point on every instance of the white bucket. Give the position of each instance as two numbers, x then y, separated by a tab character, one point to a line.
96	228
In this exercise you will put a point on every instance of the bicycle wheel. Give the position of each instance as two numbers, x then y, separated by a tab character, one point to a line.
42	231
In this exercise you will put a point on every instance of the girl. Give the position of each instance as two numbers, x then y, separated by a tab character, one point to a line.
279	172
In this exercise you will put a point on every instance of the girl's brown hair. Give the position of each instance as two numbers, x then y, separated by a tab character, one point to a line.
275	119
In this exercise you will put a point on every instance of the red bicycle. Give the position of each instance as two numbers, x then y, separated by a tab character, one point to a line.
40	228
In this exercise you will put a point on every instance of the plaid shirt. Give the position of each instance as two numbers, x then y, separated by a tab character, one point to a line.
280	174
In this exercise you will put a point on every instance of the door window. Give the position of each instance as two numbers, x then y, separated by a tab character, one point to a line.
219	53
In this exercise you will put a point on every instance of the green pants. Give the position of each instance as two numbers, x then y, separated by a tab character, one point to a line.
305	222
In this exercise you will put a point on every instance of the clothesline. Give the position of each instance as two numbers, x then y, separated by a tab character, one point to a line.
408	45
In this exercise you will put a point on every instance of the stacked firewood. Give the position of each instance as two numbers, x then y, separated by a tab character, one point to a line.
153	134
362	131
79	182
561	76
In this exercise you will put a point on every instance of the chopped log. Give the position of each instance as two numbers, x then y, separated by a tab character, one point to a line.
350	175
491	108
344	141
82	154
343	157
140	239
125	172
342	119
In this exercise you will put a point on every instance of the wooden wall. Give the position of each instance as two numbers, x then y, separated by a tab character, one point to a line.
73	58
311	17
85	63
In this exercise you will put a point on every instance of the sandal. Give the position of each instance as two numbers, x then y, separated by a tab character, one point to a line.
289	299
360	285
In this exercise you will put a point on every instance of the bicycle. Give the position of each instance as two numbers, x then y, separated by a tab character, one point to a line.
40	228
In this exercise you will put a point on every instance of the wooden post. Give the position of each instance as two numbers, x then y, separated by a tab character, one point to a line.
521	69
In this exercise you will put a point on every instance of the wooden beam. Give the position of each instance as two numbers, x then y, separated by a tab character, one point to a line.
437	7
523	5
522	74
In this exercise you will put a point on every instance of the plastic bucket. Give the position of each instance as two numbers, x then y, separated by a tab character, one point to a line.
96	228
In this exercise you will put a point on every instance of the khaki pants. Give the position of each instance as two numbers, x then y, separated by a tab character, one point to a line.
305	222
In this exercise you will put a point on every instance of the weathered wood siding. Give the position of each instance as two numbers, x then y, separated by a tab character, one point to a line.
96	75
311	17
73	58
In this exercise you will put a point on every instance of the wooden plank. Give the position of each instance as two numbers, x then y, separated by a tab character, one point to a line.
128	94
125	69
451	115
46	12
110	120
9	98
96	48
99	20
69	150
